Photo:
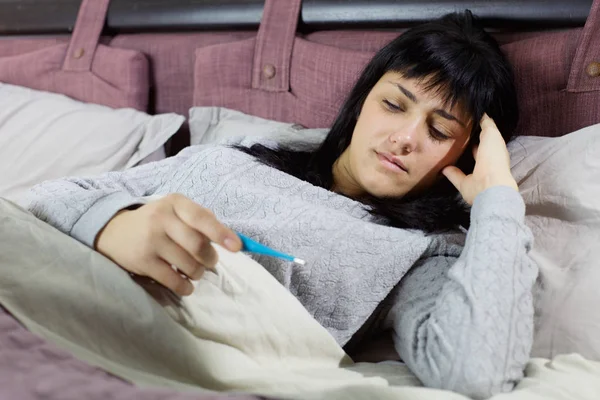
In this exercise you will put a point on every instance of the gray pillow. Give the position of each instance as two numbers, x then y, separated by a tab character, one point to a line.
221	125
559	179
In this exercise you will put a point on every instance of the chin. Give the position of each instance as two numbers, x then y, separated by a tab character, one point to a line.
378	184
388	195
383	188
384	192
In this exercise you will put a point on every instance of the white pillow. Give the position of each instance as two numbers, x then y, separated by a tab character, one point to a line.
47	135
219	125
559	179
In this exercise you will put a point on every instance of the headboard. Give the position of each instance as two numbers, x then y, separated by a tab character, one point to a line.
214	52
131	16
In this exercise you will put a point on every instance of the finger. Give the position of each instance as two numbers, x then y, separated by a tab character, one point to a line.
487	122
163	273
488	126
205	222
174	254
195	243
454	175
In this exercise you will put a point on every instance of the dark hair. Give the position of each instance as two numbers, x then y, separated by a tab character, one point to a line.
452	55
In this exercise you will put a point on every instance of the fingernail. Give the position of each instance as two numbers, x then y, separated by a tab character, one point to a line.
198	274
230	244
189	289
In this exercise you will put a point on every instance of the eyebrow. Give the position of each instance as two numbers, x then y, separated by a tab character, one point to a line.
413	98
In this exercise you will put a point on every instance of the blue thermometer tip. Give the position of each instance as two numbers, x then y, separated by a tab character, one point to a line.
252	246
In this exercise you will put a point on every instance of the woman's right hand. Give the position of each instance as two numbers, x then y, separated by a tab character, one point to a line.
492	165
171	231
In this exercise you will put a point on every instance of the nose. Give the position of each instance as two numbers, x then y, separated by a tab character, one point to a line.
405	139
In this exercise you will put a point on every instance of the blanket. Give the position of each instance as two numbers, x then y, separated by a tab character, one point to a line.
241	331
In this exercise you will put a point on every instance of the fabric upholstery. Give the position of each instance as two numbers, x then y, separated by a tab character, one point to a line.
320	75
82	69
550	72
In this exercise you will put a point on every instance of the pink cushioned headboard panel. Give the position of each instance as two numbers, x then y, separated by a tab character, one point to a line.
311	73
80	67
320	76
280	75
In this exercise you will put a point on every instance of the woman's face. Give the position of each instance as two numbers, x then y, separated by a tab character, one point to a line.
403	138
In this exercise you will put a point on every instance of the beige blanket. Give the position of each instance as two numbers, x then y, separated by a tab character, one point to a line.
239	331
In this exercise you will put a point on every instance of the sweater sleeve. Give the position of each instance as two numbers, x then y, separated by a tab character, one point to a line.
81	207
466	324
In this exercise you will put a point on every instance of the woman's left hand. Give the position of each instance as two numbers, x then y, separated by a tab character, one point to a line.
492	165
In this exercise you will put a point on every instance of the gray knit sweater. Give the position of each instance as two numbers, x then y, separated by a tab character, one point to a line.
462	317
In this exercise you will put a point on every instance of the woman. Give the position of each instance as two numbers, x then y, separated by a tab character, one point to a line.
377	198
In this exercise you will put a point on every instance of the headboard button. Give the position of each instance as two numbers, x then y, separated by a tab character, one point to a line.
78	53
269	71
593	69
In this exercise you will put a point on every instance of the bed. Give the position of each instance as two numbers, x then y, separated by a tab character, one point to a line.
97	85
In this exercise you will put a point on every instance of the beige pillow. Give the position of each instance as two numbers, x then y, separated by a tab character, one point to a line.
47	135
559	179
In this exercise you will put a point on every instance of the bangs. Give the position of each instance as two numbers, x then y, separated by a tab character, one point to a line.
459	84
459	70
440	86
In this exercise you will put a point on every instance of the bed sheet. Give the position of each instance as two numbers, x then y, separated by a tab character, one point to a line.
32	368
164	344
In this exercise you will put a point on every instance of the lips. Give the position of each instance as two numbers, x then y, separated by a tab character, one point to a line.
393	160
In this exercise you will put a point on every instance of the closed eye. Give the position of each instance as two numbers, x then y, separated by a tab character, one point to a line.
437	136
392	107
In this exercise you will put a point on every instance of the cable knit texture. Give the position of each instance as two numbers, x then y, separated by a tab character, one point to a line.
462	317
466	322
